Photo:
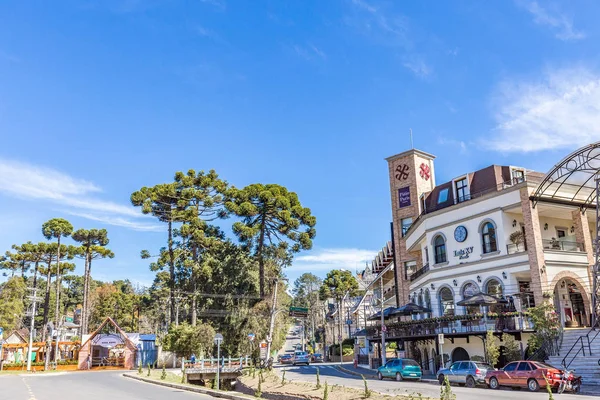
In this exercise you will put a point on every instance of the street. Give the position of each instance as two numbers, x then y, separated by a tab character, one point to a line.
86	385
330	374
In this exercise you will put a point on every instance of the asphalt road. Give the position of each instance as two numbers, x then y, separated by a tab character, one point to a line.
96	385
333	376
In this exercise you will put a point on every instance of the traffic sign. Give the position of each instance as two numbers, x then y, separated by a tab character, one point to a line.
263	349
68	319
218	338
1	330
384	328
251	337
349	322
301	312
441	338
339	337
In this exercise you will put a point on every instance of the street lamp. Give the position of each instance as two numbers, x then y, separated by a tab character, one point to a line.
218	340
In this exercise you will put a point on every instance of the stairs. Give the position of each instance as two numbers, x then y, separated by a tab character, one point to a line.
586	366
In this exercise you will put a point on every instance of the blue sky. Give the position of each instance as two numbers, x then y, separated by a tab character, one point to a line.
99	98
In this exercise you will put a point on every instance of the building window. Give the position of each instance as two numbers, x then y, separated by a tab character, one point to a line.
423	204
410	267
440	249
446	302
493	288
462	190
443	196
561	232
428	301
426	255
469	290
518	176
406	223
488	235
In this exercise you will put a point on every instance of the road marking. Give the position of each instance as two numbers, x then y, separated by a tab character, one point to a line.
32	396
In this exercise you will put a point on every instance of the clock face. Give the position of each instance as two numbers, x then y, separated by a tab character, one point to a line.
460	233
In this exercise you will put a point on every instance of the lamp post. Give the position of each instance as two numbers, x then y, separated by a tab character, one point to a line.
218	340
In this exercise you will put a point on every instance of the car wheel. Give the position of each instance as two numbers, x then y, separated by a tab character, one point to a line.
398	376
533	385
441	379
470	382
379	376
494	383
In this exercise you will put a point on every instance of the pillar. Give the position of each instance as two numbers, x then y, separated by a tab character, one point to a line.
582	235
535	248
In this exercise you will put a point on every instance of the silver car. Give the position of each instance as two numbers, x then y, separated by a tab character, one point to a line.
301	357
469	373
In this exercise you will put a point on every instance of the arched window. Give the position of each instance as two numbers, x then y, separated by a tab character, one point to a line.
440	249
446	301
469	290
488	237
494	287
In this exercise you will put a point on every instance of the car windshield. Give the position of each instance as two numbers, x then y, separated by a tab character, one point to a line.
483	365
300	353
410	362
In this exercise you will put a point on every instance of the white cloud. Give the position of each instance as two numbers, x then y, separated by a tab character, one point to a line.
559	110
219	4
453	143
560	23
384	26
27	181
336	258
418	67
309	52
118	221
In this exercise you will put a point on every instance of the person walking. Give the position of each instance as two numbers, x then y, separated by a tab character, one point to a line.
89	362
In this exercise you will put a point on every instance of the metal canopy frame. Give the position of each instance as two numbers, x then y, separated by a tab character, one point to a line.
576	181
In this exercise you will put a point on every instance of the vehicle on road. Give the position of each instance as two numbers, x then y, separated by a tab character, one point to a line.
569	382
400	369
286	359
467	373
301	357
525	374
317	357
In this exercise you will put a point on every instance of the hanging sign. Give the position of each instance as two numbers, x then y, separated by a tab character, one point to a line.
404	197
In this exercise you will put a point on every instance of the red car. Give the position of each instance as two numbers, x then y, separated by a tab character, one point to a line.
529	374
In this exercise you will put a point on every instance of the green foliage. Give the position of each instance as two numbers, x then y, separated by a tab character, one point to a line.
253	372
271	215
446	391
258	391
326	392
149	369
517	238
283	378
547	325
183	375
367	393
140	371
185	339
337	284
12	293
477	358
492	350
57	228
318	379
511	351
548	388
163	375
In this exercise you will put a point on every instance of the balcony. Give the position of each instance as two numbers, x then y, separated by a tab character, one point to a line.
513	248
459	325
419	273
563	245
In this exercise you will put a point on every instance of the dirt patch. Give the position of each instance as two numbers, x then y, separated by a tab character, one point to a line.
273	389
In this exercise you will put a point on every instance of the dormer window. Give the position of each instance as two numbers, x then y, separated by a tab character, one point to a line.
518	176
462	190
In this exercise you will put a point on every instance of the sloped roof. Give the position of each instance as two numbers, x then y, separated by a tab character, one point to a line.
107	321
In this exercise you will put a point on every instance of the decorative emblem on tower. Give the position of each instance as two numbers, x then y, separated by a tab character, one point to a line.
425	171
402	172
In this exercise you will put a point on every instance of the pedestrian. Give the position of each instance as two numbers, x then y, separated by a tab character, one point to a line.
193	359
89	362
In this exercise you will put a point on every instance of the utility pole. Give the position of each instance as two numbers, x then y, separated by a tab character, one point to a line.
382	323
31	328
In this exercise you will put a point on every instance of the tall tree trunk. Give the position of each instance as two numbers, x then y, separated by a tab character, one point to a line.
174	317
261	262
194	299
57	281
84	308
47	300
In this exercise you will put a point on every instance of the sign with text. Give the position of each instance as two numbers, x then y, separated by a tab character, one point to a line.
263	349
463	253
300	312
404	197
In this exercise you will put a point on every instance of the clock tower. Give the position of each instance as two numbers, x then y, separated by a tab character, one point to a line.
411	175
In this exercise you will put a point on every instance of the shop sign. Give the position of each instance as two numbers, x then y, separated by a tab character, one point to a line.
404	197
463	253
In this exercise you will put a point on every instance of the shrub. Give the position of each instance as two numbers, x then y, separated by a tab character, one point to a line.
140	371
318	379
148	369
367	393
492	351
163	375
283	378
258	391
326	392
183	374
512	351
446	391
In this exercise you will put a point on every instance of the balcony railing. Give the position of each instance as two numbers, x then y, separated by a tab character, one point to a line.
562	245
512	248
454	325
419	273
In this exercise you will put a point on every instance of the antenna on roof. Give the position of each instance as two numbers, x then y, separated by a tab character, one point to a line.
412	146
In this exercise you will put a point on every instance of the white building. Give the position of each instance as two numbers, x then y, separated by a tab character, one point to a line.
501	230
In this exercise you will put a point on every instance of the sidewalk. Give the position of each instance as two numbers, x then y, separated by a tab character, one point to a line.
372	373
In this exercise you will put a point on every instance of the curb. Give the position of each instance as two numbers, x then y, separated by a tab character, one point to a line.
374	376
210	392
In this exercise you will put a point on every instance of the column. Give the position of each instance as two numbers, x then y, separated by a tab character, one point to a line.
535	249
582	235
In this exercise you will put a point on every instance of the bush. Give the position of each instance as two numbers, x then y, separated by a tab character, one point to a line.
511	351
326	392
347	342
446	391
367	393
163	375
492	351
318	379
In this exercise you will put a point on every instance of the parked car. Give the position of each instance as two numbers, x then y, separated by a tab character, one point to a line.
400	368
529	374
301	357
286	359
469	373
317	357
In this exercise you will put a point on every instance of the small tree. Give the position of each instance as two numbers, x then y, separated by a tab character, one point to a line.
548	388
183	374
517	238
546	324
511	352
492	351
367	393
318	379
163	375
258	392
446	391
283	378
326	392
148	365
140	371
